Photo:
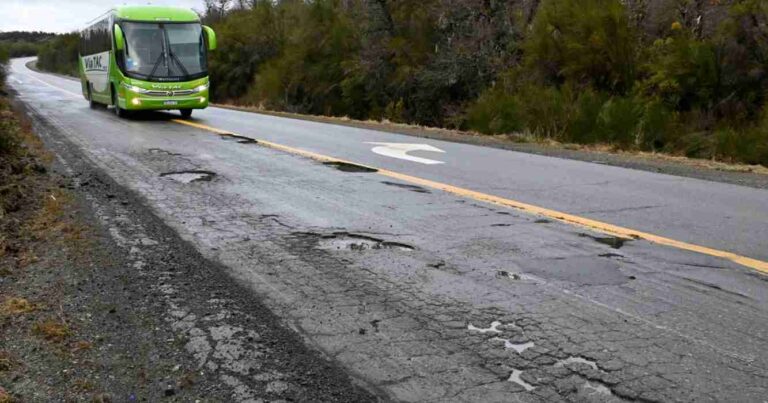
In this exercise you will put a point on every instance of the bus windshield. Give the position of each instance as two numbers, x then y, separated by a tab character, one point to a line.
164	51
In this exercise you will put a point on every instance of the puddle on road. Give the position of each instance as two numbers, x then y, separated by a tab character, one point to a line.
358	242
238	138
612	241
350	167
412	188
492	329
515	378
518	347
187	177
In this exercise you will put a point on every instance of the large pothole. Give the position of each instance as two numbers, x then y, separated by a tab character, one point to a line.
614	242
238	138
358	242
187	177
350	167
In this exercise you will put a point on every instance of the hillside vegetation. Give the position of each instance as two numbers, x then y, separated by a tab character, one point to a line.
60	54
22	44
679	76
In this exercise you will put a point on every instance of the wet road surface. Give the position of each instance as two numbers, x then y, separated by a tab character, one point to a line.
426	295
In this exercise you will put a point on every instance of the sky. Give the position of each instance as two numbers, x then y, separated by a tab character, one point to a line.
65	15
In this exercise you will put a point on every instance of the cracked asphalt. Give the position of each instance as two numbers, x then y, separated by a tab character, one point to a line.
420	295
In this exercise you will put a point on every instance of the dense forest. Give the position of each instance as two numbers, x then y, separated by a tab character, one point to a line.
680	76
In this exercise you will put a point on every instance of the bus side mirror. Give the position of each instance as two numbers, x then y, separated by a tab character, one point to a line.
119	38
211	36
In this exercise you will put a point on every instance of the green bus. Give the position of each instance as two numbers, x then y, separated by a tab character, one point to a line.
146	58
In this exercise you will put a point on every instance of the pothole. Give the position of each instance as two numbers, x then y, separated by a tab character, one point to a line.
542	221
614	242
350	167
162	152
508	275
515	377
238	138
576	360
412	188
358	242
187	177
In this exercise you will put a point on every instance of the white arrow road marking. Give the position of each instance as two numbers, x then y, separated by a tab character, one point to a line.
401	150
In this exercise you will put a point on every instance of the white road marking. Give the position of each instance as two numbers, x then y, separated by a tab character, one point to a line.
401	150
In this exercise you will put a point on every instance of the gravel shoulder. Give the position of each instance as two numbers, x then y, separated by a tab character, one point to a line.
101	301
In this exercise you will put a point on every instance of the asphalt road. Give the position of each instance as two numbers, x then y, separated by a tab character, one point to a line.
425	291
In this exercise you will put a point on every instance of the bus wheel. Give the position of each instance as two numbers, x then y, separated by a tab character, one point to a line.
120	112
91	103
186	113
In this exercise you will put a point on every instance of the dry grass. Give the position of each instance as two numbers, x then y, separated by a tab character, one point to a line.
5	361
49	220
84	385
51	330
16	306
5	397
81	345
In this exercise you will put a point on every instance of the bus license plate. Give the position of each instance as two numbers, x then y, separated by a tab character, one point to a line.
166	103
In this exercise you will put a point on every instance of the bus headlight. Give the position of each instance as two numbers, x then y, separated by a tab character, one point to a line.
202	88
134	88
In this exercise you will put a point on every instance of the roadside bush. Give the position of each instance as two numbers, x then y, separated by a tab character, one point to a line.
306	75
545	109
749	145
495	112
684	72
657	126
8	128
247	39
584	126
60	55
619	120
584	42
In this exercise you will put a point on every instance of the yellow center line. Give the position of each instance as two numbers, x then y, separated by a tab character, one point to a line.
571	219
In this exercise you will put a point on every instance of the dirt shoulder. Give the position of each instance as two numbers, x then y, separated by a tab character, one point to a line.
100	301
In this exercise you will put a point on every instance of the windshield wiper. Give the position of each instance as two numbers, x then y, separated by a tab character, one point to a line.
178	63
157	64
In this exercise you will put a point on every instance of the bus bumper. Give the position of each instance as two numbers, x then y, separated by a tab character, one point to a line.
135	102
